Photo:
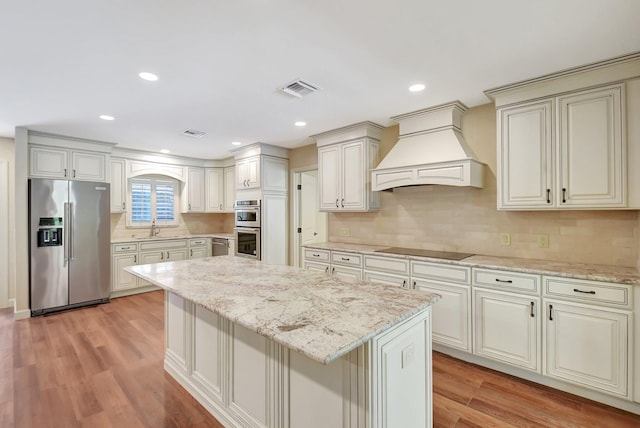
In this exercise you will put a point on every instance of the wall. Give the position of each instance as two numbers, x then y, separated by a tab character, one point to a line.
189	224
466	219
7	235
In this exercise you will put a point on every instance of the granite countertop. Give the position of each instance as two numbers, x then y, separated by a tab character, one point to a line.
167	237
317	315
595	272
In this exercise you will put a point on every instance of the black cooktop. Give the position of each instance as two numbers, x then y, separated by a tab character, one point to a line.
425	253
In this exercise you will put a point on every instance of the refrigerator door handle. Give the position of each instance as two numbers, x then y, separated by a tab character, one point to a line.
65	239
70	229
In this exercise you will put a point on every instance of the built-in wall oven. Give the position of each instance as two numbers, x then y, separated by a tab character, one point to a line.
247	228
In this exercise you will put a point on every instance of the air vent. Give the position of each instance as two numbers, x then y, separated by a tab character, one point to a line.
299	88
193	133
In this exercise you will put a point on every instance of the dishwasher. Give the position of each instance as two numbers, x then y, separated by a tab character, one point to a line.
220	247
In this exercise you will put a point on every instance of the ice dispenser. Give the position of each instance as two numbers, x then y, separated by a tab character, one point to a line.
50	232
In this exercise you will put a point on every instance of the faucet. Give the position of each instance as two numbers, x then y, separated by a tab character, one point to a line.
154	229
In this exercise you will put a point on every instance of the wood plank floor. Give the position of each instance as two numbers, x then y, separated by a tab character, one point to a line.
102	367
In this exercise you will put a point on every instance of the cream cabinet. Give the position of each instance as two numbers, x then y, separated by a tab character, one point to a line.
199	247
193	192
564	152
229	188
118	186
123	255
61	163
344	176
214	187
343	265
588	329
247	173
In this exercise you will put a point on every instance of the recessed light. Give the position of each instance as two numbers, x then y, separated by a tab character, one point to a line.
165	151
300	123
106	117
148	76
236	143
417	87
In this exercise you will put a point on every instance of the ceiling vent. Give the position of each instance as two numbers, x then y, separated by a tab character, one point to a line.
299	88
193	133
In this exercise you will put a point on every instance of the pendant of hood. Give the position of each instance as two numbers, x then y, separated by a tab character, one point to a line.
430	150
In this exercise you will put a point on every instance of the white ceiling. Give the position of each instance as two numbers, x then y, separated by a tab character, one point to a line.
221	63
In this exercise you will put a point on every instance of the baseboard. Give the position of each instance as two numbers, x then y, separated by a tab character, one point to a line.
19	314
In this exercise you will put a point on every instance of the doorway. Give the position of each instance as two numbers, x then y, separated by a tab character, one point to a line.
4	234
309	223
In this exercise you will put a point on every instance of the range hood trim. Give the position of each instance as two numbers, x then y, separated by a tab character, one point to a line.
430	150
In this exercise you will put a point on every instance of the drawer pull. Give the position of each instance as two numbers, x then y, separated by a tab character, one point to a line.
508	281
125	248
315	255
584	292
532	314
346	259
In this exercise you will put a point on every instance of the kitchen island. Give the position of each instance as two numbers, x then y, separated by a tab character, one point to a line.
276	346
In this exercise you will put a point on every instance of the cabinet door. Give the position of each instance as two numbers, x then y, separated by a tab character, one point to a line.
525	157
175	255
451	320
587	345
118	186
385	278
591	151
329	178
346	273
241	174
253	172
316	267
195	191
48	162
198	252
209	345
214	186
507	328
352	170
88	166
122	280
229	188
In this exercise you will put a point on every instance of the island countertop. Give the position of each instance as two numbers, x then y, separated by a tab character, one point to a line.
317	315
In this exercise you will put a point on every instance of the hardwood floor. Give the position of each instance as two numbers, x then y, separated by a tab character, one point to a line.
103	367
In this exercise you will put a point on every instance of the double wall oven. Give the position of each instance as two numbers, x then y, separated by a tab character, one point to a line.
247	228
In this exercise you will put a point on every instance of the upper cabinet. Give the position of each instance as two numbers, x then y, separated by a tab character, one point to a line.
193	194
261	168
118	186
229	188
62	163
248	173
567	141
214	185
345	158
563	152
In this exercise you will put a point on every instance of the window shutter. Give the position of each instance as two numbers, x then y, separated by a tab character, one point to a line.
164	202
140	202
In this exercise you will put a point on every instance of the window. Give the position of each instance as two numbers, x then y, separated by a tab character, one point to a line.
152	199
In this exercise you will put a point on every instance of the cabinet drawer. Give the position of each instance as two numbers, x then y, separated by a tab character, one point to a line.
125	248
507	281
197	242
579	290
317	255
441	272
346	259
163	245
387	264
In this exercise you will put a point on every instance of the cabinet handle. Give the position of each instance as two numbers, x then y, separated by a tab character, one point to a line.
65	172
550	312
135	258
532	314
508	281
404	283
326	270
161	255
333	270
126	248
548	196
342	202
337	206
315	255
191	253
220	207
168	256
346	259
74	173
564	195
123	205
414	285
585	292
189	207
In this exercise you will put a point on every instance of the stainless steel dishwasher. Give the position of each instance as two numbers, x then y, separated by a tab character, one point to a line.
220	247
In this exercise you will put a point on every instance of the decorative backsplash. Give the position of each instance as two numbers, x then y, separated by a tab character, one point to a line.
190	224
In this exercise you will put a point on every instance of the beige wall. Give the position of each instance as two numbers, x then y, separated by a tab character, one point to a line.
466	219
7	153
189	224
303	156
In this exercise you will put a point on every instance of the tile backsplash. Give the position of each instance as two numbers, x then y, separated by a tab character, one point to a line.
189	224
466	220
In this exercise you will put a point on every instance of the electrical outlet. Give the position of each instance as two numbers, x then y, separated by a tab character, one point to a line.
345	231
543	241
505	239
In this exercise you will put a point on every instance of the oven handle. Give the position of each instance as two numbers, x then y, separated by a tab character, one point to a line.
247	229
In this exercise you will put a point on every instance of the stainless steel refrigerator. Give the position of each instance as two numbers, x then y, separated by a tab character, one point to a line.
69	234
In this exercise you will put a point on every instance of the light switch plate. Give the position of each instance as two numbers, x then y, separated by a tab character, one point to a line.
505	239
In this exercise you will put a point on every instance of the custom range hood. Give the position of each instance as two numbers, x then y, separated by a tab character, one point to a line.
431	150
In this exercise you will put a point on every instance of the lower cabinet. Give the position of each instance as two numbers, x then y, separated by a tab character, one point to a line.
587	345
245	379
123	280
507	328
